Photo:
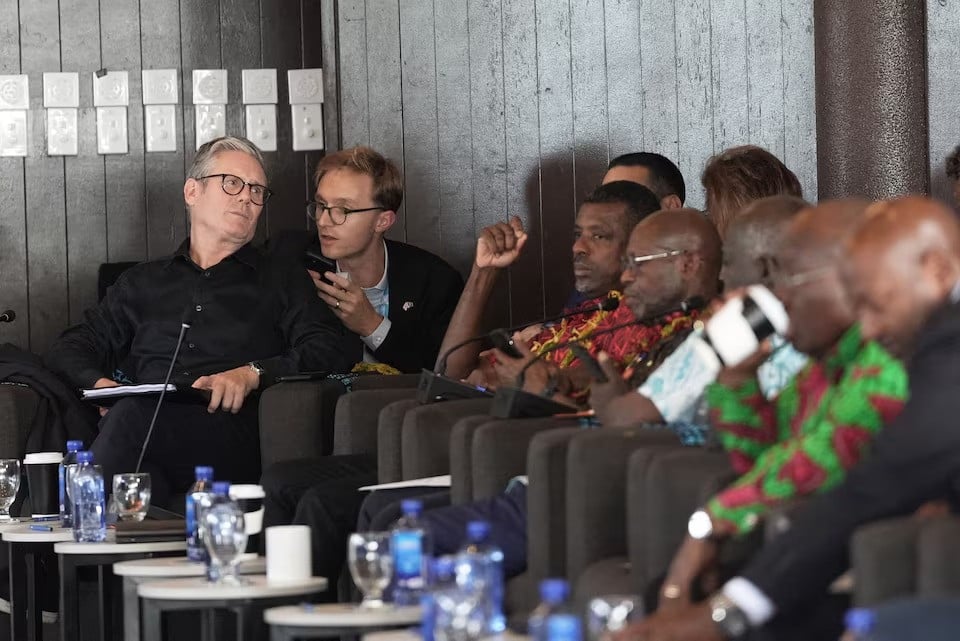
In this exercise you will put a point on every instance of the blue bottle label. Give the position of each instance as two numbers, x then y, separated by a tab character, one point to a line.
408	555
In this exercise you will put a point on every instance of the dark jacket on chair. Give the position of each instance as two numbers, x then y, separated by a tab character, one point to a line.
424	291
913	460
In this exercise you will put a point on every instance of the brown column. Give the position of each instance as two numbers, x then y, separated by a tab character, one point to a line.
872	133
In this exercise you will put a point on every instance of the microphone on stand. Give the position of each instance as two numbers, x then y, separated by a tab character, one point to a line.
185	322
8	316
514	402
434	386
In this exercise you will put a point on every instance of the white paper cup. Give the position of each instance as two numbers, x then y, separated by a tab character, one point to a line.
288	553
249	498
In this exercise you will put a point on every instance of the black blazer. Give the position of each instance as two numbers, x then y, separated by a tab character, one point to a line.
914	459
424	291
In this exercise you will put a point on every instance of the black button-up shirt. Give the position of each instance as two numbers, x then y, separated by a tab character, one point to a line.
246	308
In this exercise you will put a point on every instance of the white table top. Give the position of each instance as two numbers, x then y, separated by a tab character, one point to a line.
253	587
110	546
21	533
340	615
180	566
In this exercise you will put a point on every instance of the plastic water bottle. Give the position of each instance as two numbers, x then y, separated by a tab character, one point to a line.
553	596
480	568
89	501
221	525
412	548
860	623
563	627
66	505
200	489
433	605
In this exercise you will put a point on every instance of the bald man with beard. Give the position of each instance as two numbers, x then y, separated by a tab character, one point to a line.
903	271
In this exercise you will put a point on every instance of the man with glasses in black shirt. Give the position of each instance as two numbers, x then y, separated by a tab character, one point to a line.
251	319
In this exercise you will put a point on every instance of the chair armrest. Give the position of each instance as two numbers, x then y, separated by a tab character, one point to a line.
296	420
425	437
355	424
662	492
500	448
461	461
546	503
389	438
374	381
596	491
884	560
938	561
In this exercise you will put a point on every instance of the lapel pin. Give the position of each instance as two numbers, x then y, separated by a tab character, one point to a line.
407	306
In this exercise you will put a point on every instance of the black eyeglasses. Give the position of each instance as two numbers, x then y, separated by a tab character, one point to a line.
233	185
337	214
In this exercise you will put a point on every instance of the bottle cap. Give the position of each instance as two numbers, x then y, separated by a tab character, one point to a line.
478	531
412	507
860	620
74	446
563	627
203	473
554	591
221	488
84	457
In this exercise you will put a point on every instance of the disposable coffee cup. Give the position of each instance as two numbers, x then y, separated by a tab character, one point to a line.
249	498
742	324
43	483
288	553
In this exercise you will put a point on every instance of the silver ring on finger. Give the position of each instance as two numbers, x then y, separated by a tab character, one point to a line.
338	304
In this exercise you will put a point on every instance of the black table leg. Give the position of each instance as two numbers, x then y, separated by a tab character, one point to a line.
34	616
18	591
69	599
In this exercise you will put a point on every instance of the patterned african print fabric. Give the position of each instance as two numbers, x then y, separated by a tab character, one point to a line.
806	439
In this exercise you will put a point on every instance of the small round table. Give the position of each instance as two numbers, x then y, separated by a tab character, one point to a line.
25	547
102	555
247	600
142	570
336	619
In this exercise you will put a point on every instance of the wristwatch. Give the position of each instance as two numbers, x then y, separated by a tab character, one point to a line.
255	366
728	617
700	525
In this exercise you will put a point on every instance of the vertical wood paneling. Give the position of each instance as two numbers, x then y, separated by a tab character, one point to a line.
695	114
163	172
765	74
44	180
280	41
354	98
86	218
454	133
658	67
558	206
487	125
589	83
943	50
125	192
383	88
729	74
199	49
522	127
13	230
317	53
420	145
799	100
624	81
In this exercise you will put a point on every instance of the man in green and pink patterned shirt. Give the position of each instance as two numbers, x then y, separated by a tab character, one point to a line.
803	441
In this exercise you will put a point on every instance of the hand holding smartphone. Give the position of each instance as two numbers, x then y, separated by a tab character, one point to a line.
589	362
316	261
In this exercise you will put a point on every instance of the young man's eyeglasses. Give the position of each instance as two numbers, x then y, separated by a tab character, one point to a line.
633	263
233	185
337	214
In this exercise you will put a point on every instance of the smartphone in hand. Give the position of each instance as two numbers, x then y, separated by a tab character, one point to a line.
503	341
589	362
316	261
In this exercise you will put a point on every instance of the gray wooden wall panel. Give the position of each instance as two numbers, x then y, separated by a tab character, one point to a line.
799	104
13	226
624	79
354	97
943	50
765	75
658	73
85	178
61	217
694	84
589	84
44	181
730	84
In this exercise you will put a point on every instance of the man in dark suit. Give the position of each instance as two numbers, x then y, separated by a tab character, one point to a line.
396	298
904	276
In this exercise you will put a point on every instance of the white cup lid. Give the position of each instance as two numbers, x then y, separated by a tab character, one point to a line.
246	492
41	458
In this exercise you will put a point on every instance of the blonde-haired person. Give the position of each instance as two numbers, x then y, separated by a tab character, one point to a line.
227	291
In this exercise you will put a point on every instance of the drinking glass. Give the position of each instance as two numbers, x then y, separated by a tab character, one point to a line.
9	484
371	565
131	495
607	615
225	537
